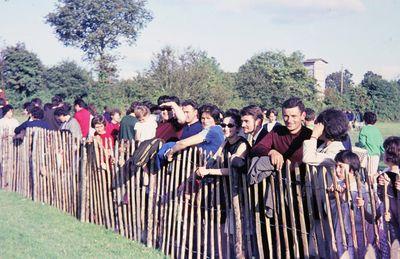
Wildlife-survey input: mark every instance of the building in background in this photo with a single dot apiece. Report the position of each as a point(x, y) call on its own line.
point(316, 68)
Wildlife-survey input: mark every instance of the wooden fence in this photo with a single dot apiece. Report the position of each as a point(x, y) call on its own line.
point(217, 217)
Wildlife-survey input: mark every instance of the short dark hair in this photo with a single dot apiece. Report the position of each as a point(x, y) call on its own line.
point(114, 111)
point(235, 115)
point(165, 98)
point(293, 102)
point(80, 102)
point(272, 110)
point(310, 114)
point(392, 150)
point(335, 124)
point(6, 109)
point(29, 107)
point(56, 100)
point(131, 108)
point(37, 102)
point(67, 106)
point(98, 119)
point(190, 102)
point(350, 158)
point(37, 113)
point(369, 118)
point(47, 106)
point(26, 105)
point(213, 110)
point(252, 110)
point(61, 111)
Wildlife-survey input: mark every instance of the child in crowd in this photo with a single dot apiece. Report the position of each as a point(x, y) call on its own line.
point(146, 126)
point(310, 118)
point(113, 125)
point(348, 162)
point(101, 133)
point(388, 193)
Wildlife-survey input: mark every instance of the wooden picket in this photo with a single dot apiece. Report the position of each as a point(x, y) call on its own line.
point(214, 217)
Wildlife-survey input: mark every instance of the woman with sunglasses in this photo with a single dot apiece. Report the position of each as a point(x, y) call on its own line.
point(234, 144)
point(209, 139)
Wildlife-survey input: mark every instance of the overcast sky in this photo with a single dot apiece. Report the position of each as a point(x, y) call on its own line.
point(360, 35)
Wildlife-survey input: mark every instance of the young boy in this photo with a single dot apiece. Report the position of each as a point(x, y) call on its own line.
point(388, 193)
point(348, 162)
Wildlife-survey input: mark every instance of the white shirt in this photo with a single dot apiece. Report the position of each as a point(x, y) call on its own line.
point(8, 124)
point(146, 130)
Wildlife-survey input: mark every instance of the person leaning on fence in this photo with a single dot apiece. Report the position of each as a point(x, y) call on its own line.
point(252, 118)
point(8, 123)
point(101, 133)
point(68, 123)
point(36, 121)
point(285, 142)
point(145, 128)
point(172, 119)
point(331, 129)
point(209, 139)
point(234, 144)
point(192, 127)
point(389, 195)
point(348, 162)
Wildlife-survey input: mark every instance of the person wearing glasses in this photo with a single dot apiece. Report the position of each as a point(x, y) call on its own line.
point(234, 144)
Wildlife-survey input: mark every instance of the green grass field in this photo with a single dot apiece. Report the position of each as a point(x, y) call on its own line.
point(29, 229)
point(387, 129)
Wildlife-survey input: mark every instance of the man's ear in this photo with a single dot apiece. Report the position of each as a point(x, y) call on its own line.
point(258, 122)
point(303, 115)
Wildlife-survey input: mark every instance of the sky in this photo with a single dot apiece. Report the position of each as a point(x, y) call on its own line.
point(357, 35)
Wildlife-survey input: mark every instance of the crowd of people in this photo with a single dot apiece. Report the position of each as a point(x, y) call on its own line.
point(239, 136)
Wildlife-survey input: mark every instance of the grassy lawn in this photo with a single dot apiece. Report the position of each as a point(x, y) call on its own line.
point(387, 129)
point(29, 229)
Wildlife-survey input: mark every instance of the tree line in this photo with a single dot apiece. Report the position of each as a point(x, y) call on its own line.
point(266, 79)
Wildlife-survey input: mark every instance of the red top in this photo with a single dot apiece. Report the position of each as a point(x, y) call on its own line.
point(83, 118)
point(113, 129)
point(280, 139)
point(106, 137)
point(169, 131)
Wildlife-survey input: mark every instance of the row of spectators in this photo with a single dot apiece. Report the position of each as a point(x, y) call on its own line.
point(247, 135)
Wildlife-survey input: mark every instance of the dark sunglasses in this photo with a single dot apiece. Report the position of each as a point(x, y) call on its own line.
point(230, 125)
point(166, 108)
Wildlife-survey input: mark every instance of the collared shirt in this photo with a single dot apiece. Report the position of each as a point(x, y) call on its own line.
point(191, 129)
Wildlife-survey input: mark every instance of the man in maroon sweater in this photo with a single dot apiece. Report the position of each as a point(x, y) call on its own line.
point(285, 142)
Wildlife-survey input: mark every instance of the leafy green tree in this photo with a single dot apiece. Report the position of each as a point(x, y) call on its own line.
point(384, 95)
point(268, 78)
point(68, 80)
point(357, 98)
point(99, 26)
point(21, 70)
point(334, 80)
point(191, 74)
point(334, 99)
